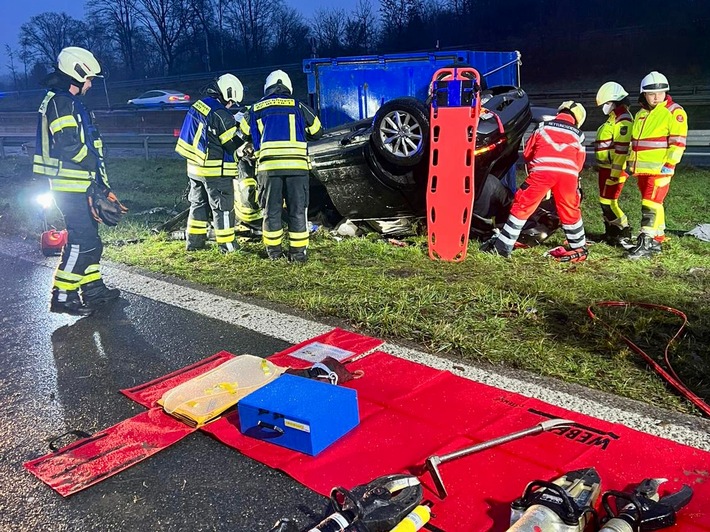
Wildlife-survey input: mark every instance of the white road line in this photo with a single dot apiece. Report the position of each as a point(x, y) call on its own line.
point(292, 329)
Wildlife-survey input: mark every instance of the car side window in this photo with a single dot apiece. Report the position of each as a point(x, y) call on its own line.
point(149, 94)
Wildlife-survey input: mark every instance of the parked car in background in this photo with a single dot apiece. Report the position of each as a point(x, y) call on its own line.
point(162, 99)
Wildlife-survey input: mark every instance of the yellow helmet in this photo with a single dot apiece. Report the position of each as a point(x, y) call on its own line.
point(611, 91)
point(230, 88)
point(577, 110)
point(78, 63)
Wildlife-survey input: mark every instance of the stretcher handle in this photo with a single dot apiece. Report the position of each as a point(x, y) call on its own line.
point(270, 426)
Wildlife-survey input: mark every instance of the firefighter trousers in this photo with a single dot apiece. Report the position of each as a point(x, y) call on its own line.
point(609, 192)
point(211, 199)
point(654, 189)
point(294, 189)
point(81, 254)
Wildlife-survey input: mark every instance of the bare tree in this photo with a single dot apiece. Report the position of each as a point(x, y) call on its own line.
point(12, 67)
point(119, 17)
point(251, 21)
point(203, 12)
point(44, 36)
point(165, 20)
point(361, 28)
point(290, 35)
point(328, 25)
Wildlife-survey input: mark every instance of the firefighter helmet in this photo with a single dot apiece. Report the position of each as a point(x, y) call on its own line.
point(611, 91)
point(230, 88)
point(576, 109)
point(278, 76)
point(78, 63)
point(655, 82)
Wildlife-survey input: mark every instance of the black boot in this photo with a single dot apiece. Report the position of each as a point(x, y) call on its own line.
point(297, 256)
point(274, 252)
point(96, 293)
point(72, 305)
point(645, 247)
point(619, 236)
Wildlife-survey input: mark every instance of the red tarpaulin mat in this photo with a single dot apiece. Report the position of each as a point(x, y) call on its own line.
point(410, 411)
point(90, 460)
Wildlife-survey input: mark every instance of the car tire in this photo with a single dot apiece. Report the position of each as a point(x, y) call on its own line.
point(400, 132)
point(393, 177)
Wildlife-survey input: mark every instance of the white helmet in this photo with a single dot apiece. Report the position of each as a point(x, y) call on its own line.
point(655, 82)
point(78, 63)
point(577, 110)
point(278, 76)
point(230, 88)
point(611, 91)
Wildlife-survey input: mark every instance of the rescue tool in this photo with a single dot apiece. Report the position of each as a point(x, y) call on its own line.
point(642, 509)
point(563, 505)
point(379, 506)
point(433, 462)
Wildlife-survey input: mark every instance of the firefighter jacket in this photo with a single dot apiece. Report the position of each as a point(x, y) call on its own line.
point(279, 126)
point(555, 147)
point(69, 150)
point(658, 137)
point(611, 146)
point(208, 140)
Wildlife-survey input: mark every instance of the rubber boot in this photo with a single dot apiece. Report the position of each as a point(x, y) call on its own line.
point(96, 293)
point(495, 247)
point(645, 247)
point(297, 256)
point(72, 305)
point(231, 247)
point(619, 236)
point(195, 242)
point(274, 252)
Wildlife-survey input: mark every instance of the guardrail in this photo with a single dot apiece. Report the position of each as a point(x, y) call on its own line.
point(697, 139)
point(128, 140)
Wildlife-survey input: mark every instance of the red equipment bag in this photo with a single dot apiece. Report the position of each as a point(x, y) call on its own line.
point(455, 108)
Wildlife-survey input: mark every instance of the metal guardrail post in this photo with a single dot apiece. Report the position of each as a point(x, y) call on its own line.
point(145, 146)
point(2, 148)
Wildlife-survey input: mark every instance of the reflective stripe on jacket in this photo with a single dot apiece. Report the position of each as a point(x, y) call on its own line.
point(658, 138)
point(208, 140)
point(69, 150)
point(556, 146)
point(613, 140)
point(279, 127)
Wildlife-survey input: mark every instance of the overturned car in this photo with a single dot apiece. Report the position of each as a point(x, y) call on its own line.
point(374, 172)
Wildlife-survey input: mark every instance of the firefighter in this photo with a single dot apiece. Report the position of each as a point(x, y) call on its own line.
point(612, 149)
point(278, 126)
point(208, 141)
point(69, 152)
point(554, 156)
point(658, 141)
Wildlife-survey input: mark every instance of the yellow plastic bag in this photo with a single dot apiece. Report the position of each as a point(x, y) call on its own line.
point(202, 399)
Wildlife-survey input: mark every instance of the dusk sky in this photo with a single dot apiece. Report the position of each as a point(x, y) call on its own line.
point(16, 13)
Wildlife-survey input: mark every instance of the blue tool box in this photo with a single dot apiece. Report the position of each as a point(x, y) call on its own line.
point(302, 414)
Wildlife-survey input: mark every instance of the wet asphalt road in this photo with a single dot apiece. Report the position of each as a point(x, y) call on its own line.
point(60, 373)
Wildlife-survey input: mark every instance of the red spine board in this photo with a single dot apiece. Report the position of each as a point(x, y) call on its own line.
point(450, 190)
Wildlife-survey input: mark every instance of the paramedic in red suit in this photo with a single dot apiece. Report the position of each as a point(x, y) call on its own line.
point(554, 156)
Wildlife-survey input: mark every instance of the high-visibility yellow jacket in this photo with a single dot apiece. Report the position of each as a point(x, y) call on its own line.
point(279, 127)
point(613, 140)
point(68, 150)
point(208, 140)
point(658, 137)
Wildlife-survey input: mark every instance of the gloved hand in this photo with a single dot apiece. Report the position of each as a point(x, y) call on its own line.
point(667, 169)
point(104, 205)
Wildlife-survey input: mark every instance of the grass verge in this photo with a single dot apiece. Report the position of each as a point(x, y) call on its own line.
point(527, 313)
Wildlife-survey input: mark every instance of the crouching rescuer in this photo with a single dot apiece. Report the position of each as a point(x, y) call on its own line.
point(279, 126)
point(69, 151)
point(554, 157)
point(208, 141)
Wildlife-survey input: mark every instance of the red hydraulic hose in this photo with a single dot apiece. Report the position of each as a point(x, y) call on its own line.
point(667, 373)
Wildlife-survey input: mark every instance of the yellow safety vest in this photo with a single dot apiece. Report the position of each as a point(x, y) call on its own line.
point(658, 138)
point(611, 146)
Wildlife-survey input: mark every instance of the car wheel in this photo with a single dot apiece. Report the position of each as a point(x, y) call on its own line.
point(401, 131)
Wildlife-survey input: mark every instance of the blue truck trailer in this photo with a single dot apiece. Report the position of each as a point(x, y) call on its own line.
point(346, 89)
